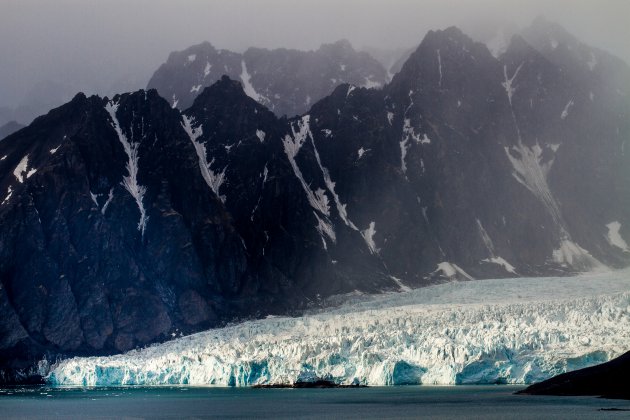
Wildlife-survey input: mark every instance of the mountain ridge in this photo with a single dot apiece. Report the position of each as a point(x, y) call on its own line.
point(126, 221)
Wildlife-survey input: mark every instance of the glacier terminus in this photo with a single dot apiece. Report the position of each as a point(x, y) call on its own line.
point(519, 330)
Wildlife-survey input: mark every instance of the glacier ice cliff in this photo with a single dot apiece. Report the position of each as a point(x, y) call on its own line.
point(490, 331)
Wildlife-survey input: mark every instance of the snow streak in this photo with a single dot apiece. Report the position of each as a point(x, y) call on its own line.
point(368, 236)
point(214, 179)
point(507, 84)
point(318, 200)
point(439, 67)
point(248, 87)
point(565, 111)
point(130, 182)
point(494, 259)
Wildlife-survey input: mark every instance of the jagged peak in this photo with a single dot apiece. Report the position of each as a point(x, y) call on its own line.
point(438, 47)
point(342, 43)
point(223, 93)
point(205, 48)
point(340, 46)
point(545, 34)
point(450, 35)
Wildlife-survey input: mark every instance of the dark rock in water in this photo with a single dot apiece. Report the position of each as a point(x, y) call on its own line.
point(320, 383)
point(286, 81)
point(608, 380)
point(125, 222)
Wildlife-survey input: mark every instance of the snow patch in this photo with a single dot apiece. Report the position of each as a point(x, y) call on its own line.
point(192, 57)
point(570, 254)
point(261, 135)
point(565, 111)
point(390, 118)
point(8, 196)
point(614, 237)
point(265, 174)
point(21, 169)
point(450, 270)
point(368, 236)
point(214, 179)
point(206, 70)
point(4, 157)
point(130, 182)
point(53, 151)
point(195, 88)
point(531, 172)
point(361, 152)
point(500, 261)
point(327, 133)
point(554, 147)
point(350, 89)
point(400, 284)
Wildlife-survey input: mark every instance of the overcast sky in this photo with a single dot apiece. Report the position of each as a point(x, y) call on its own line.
point(95, 45)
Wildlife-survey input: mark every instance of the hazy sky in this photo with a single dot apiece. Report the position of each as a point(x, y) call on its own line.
point(100, 45)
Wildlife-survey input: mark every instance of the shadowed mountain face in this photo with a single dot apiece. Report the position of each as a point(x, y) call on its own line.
point(288, 82)
point(125, 221)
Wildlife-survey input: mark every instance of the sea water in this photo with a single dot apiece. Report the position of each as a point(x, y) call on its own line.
point(454, 402)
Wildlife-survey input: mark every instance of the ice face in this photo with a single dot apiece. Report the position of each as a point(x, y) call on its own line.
point(489, 331)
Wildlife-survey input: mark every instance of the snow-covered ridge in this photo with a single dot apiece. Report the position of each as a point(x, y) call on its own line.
point(510, 330)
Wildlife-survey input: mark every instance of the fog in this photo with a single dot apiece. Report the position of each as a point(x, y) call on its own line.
point(51, 49)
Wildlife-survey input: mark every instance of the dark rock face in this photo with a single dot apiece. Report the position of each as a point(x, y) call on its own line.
point(125, 222)
point(609, 380)
point(286, 81)
point(9, 128)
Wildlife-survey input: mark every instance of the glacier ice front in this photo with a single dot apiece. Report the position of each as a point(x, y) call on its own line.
point(490, 331)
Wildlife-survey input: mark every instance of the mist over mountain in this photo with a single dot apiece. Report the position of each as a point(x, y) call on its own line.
point(288, 82)
point(125, 221)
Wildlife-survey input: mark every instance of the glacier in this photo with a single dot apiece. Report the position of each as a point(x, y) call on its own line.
point(518, 330)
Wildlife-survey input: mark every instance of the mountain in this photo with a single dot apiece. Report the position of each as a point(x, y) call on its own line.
point(286, 81)
point(9, 128)
point(126, 222)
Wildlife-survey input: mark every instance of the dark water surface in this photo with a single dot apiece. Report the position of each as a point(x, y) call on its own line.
point(454, 402)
